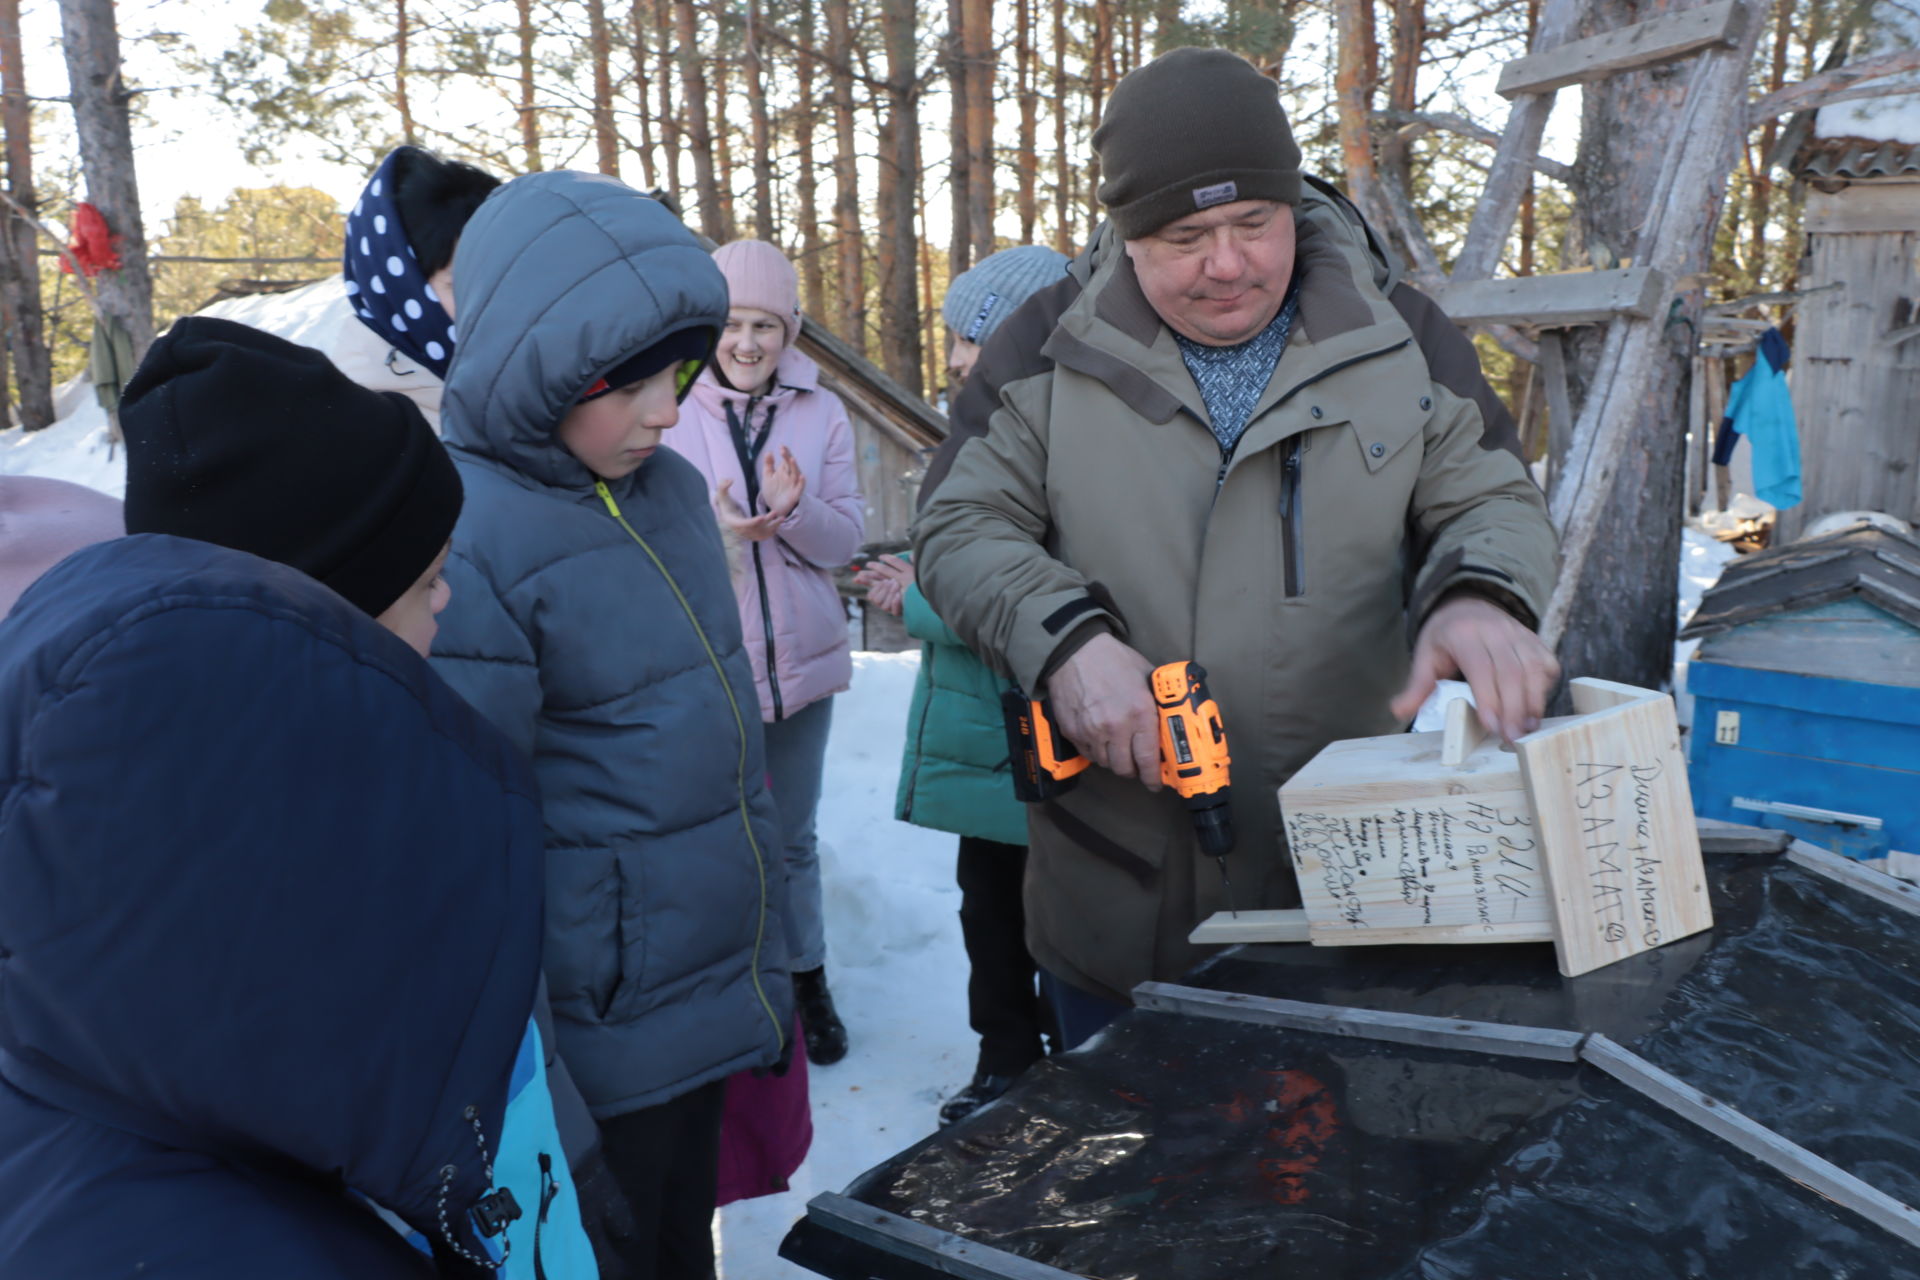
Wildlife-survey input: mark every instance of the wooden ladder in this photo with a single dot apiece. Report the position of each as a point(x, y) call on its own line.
point(1632, 302)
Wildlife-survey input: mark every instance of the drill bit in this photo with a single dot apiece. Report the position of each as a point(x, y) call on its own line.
point(1227, 881)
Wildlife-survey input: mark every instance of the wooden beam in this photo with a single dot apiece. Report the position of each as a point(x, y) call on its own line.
point(1547, 1043)
point(937, 1250)
point(1825, 88)
point(1875, 884)
point(1644, 44)
point(1224, 928)
point(1749, 1135)
point(1871, 207)
point(909, 412)
point(1558, 300)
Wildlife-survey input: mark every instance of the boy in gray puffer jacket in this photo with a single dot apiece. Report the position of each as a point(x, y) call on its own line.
point(593, 621)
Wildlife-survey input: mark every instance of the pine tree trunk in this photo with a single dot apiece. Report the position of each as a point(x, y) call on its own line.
point(813, 275)
point(20, 281)
point(1099, 64)
point(980, 87)
point(606, 140)
point(900, 179)
point(1356, 76)
point(401, 33)
point(959, 184)
point(529, 117)
point(717, 115)
point(668, 118)
point(1761, 198)
point(99, 98)
point(764, 225)
point(933, 351)
point(1029, 93)
point(846, 179)
point(1409, 42)
point(643, 105)
point(1063, 166)
point(699, 136)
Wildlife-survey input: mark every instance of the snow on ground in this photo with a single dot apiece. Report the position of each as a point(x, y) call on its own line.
point(895, 964)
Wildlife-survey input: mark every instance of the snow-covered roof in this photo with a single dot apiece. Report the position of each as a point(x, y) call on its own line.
point(1839, 130)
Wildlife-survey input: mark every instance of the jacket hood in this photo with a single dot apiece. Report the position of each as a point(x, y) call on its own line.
point(563, 276)
point(291, 918)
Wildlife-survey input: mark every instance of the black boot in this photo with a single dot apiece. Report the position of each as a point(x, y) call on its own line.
point(826, 1034)
point(981, 1090)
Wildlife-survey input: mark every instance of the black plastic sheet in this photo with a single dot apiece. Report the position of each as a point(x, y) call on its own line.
point(1180, 1148)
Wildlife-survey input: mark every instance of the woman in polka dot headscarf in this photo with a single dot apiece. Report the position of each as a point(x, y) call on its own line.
point(398, 269)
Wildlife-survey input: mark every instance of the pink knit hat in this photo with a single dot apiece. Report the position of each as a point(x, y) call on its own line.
point(759, 275)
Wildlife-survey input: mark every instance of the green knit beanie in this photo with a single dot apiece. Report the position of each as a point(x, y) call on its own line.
point(1193, 129)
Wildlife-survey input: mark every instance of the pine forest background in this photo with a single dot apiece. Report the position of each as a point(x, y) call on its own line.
point(886, 145)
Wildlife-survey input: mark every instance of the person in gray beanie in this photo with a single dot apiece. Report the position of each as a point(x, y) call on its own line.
point(953, 775)
point(979, 299)
point(1230, 435)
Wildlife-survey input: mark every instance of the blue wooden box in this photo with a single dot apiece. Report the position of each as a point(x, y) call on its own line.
point(1806, 693)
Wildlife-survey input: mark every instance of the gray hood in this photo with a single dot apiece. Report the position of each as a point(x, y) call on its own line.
point(562, 276)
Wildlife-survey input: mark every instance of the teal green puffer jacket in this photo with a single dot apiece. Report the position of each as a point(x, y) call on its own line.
point(954, 775)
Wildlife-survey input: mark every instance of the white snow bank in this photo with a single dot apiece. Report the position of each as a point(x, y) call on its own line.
point(76, 447)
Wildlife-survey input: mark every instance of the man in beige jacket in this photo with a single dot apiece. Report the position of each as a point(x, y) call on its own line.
point(1229, 435)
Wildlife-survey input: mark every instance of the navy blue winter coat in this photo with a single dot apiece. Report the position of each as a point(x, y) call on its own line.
point(596, 625)
point(269, 928)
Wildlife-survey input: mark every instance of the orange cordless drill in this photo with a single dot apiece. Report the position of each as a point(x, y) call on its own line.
point(1193, 757)
point(1193, 753)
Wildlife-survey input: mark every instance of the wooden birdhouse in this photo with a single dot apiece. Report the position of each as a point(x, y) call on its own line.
point(1582, 835)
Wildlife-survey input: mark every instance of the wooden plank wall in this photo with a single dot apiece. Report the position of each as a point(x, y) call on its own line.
point(1854, 391)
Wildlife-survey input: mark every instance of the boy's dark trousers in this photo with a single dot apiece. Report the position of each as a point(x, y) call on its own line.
point(1003, 1004)
point(666, 1159)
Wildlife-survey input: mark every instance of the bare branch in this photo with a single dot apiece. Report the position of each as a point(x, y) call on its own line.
point(1837, 85)
point(1415, 123)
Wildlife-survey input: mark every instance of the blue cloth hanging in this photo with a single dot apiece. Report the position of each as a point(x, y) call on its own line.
point(388, 290)
point(1760, 409)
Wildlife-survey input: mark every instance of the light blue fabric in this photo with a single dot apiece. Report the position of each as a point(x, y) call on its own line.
point(529, 1140)
point(611, 654)
point(1761, 409)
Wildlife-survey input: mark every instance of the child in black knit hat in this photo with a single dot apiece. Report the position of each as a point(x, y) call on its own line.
point(240, 438)
point(243, 439)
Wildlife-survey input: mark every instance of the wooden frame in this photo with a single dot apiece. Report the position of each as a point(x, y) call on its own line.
point(1643, 44)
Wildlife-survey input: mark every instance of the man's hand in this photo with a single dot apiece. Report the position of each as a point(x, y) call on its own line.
point(1106, 709)
point(886, 580)
point(1510, 672)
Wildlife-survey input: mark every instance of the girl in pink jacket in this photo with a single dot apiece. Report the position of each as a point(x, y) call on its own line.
point(777, 452)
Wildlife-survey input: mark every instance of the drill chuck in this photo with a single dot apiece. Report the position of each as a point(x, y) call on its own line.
point(1213, 824)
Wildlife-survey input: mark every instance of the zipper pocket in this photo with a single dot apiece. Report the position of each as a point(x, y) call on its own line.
point(1293, 539)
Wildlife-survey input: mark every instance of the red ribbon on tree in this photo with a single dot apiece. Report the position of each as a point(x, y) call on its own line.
point(94, 246)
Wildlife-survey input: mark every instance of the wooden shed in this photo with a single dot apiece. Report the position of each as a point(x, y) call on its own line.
point(1856, 378)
